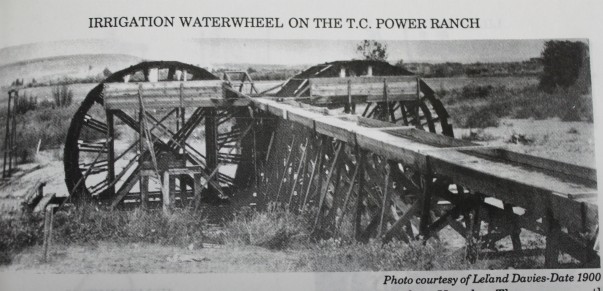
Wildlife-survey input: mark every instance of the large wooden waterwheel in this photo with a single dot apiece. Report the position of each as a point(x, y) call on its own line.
point(108, 152)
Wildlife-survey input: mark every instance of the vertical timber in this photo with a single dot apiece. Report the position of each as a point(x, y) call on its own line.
point(211, 143)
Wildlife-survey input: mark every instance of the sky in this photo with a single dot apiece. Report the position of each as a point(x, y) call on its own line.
point(283, 52)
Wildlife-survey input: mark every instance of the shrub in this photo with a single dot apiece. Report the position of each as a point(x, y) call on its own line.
point(474, 91)
point(24, 104)
point(482, 119)
point(529, 102)
point(18, 233)
point(478, 135)
point(45, 124)
point(88, 225)
point(85, 225)
point(62, 96)
point(273, 230)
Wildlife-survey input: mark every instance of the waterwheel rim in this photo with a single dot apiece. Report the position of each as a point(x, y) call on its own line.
point(85, 160)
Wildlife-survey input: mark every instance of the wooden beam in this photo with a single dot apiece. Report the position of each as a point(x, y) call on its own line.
point(553, 237)
point(386, 200)
point(208, 93)
point(110, 152)
point(403, 220)
point(285, 170)
point(362, 89)
point(316, 165)
point(211, 143)
point(361, 157)
point(325, 186)
point(302, 162)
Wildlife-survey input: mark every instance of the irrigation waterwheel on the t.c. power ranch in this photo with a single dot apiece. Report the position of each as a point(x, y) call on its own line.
point(106, 158)
point(173, 135)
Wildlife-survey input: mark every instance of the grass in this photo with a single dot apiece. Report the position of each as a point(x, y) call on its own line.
point(18, 233)
point(482, 106)
point(274, 230)
point(113, 257)
point(48, 125)
point(88, 225)
point(150, 241)
point(330, 256)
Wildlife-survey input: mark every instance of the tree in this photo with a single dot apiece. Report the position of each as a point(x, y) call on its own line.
point(62, 95)
point(563, 63)
point(107, 72)
point(372, 50)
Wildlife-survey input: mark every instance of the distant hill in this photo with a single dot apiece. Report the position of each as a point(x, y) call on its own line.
point(56, 68)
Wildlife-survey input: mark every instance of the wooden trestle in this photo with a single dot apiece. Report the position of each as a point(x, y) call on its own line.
point(383, 180)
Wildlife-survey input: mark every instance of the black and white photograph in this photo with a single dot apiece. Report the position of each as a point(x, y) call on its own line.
point(353, 156)
point(254, 145)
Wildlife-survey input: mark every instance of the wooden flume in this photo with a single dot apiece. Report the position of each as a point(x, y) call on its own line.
point(392, 171)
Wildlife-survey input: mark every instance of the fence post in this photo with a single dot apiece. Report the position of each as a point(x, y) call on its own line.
point(48, 217)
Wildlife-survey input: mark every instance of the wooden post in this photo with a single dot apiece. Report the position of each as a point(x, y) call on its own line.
point(325, 188)
point(317, 163)
point(336, 200)
point(269, 150)
point(361, 194)
point(143, 178)
point(473, 226)
point(418, 107)
point(182, 178)
point(7, 136)
point(386, 200)
point(48, 217)
point(211, 143)
point(110, 152)
point(515, 229)
point(389, 115)
point(172, 188)
point(347, 108)
point(347, 196)
point(165, 192)
point(302, 163)
point(553, 236)
point(319, 166)
point(196, 187)
point(282, 178)
point(13, 140)
point(427, 181)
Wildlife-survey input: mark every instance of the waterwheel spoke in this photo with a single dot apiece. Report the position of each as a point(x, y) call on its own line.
point(92, 147)
point(95, 168)
point(95, 124)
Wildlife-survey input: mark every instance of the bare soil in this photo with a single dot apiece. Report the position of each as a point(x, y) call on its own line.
point(109, 257)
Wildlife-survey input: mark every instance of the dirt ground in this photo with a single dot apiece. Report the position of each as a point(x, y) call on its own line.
point(570, 142)
point(108, 257)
